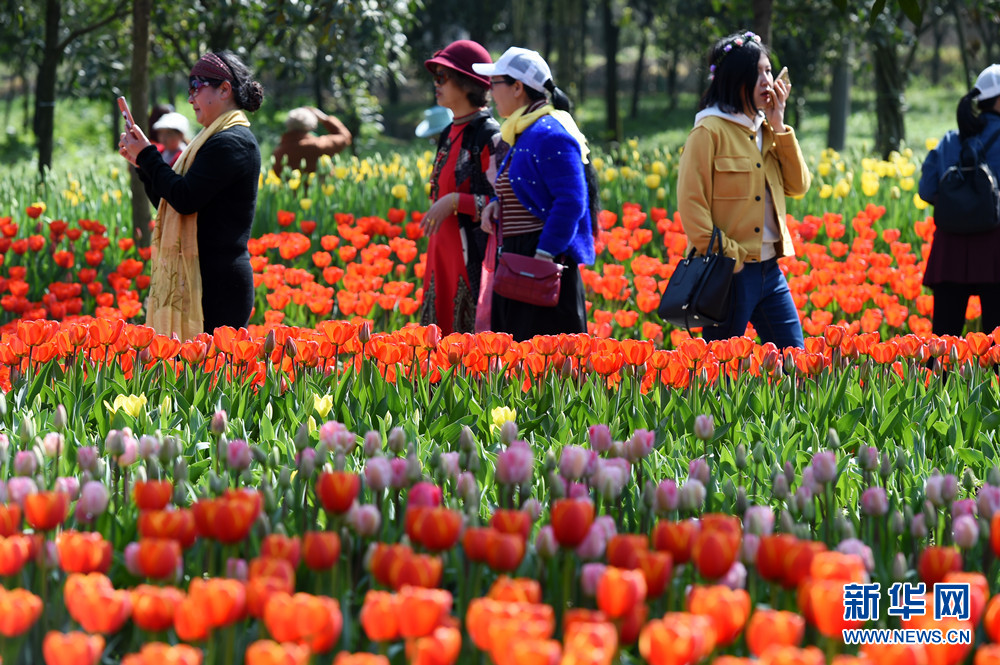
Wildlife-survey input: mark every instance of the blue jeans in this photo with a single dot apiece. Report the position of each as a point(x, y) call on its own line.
point(761, 297)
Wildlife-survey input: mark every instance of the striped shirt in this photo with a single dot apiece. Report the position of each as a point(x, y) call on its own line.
point(515, 219)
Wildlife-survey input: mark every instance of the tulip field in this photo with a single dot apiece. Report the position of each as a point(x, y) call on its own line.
point(337, 484)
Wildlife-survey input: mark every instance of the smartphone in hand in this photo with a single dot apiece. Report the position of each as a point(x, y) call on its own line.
point(783, 76)
point(126, 113)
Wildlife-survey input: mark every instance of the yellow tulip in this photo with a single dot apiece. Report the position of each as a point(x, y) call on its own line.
point(500, 415)
point(114, 172)
point(293, 183)
point(659, 168)
point(869, 183)
point(661, 193)
point(906, 169)
point(930, 144)
point(842, 188)
point(653, 180)
point(400, 191)
point(305, 204)
point(341, 172)
point(823, 168)
point(427, 189)
point(825, 191)
point(610, 175)
point(327, 189)
point(130, 404)
point(311, 425)
point(906, 184)
point(322, 405)
point(919, 203)
point(598, 163)
point(894, 192)
point(325, 161)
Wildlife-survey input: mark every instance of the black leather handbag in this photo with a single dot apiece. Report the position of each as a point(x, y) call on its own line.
point(699, 293)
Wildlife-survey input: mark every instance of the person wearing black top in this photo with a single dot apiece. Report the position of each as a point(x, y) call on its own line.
point(214, 187)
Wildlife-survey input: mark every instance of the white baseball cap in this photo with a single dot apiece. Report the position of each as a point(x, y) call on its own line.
point(988, 83)
point(173, 120)
point(521, 64)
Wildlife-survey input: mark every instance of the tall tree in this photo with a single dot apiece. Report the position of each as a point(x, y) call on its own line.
point(139, 96)
point(613, 128)
point(86, 17)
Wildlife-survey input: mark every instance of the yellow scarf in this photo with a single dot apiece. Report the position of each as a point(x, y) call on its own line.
point(519, 120)
point(174, 304)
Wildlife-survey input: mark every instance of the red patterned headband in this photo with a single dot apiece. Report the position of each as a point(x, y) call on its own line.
point(211, 66)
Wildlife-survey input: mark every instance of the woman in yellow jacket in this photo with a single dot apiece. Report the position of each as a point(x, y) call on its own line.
point(739, 162)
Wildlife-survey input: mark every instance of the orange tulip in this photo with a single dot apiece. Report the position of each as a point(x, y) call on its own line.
point(224, 600)
point(159, 558)
point(158, 653)
point(593, 643)
point(19, 610)
point(530, 652)
point(14, 553)
point(798, 561)
point(512, 521)
point(728, 608)
point(380, 616)
point(321, 549)
point(280, 546)
point(45, 511)
point(657, 568)
point(337, 490)
point(838, 566)
point(261, 567)
point(937, 561)
point(979, 591)
point(716, 545)
point(153, 608)
point(421, 610)
point(314, 621)
point(665, 642)
point(826, 606)
point(623, 550)
point(941, 654)
point(176, 525)
point(768, 628)
point(153, 494)
point(988, 654)
point(676, 538)
point(228, 518)
point(895, 654)
point(619, 590)
point(10, 519)
point(516, 590)
point(571, 520)
point(416, 570)
point(260, 590)
point(435, 528)
point(991, 618)
point(476, 541)
point(72, 648)
point(439, 648)
point(383, 560)
point(96, 605)
point(505, 551)
point(83, 552)
point(267, 652)
point(771, 555)
point(785, 655)
point(344, 658)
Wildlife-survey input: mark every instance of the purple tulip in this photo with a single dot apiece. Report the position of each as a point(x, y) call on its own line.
point(749, 548)
point(69, 486)
point(965, 531)
point(824, 464)
point(378, 473)
point(25, 463)
point(515, 465)
point(874, 502)
point(963, 507)
point(600, 437)
point(698, 469)
point(736, 578)
point(19, 487)
point(132, 560)
point(237, 569)
point(704, 427)
point(593, 545)
point(860, 550)
point(450, 465)
point(665, 497)
point(610, 477)
point(149, 447)
point(220, 423)
point(373, 443)
point(94, 498)
point(238, 456)
point(573, 462)
point(759, 520)
point(988, 501)
point(86, 458)
point(467, 487)
point(400, 479)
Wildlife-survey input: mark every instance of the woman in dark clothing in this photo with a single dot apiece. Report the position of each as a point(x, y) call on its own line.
point(960, 266)
point(461, 186)
point(201, 276)
point(542, 203)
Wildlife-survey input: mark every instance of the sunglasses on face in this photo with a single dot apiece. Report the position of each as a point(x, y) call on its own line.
point(440, 76)
point(196, 84)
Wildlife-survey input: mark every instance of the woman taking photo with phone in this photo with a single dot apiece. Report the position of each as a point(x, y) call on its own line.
point(200, 268)
point(738, 164)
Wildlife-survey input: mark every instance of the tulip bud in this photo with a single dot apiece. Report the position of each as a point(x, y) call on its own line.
point(918, 527)
point(590, 575)
point(149, 447)
point(285, 478)
point(949, 488)
point(896, 523)
point(60, 418)
point(508, 432)
point(740, 502)
point(993, 476)
point(180, 494)
point(180, 470)
point(220, 423)
point(397, 440)
point(704, 427)
point(779, 487)
point(25, 463)
point(301, 439)
point(26, 430)
point(699, 470)
point(786, 521)
point(965, 531)
point(741, 457)
point(94, 498)
point(270, 341)
point(566, 371)
point(789, 473)
point(270, 501)
point(545, 542)
point(867, 458)
point(132, 559)
point(365, 332)
point(169, 449)
point(414, 468)
point(114, 443)
point(899, 567)
point(600, 437)
point(86, 458)
point(372, 443)
point(845, 527)
point(902, 459)
point(217, 484)
point(238, 455)
point(832, 439)
point(691, 496)
point(291, 348)
point(306, 461)
point(874, 502)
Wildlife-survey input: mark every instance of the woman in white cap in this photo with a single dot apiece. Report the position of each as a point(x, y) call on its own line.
point(171, 131)
point(461, 186)
point(542, 198)
point(960, 266)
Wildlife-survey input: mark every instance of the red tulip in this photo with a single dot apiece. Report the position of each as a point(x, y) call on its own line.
point(571, 520)
point(512, 521)
point(159, 558)
point(321, 549)
point(337, 490)
point(153, 494)
point(421, 610)
point(45, 511)
point(505, 551)
point(619, 590)
point(72, 648)
point(937, 561)
point(10, 519)
point(623, 550)
point(716, 545)
point(436, 528)
point(83, 552)
point(19, 610)
point(728, 608)
point(380, 616)
point(280, 546)
point(676, 538)
point(153, 608)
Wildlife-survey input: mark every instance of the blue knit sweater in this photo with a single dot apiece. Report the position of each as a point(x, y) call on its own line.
point(546, 174)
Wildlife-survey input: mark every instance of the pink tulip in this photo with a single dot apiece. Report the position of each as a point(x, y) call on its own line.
point(590, 575)
point(365, 519)
point(665, 497)
point(600, 438)
point(545, 542)
point(378, 473)
point(874, 502)
point(965, 531)
point(20, 487)
point(238, 456)
point(515, 465)
point(704, 427)
point(759, 520)
point(424, 494)
point(988, 501)
point(824, 465)
point(400, 479)
point(572, 462)
point(640, 445)
point(699, 470)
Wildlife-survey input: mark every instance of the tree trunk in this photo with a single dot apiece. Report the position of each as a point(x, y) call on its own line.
point(840, 97)
point(45, 89)
point(672, 93)
point(889, 87)
point(565, 38)
point(581, 56)
point(762, 11)
point(640, 68)
point(611, 29)
point(139, 105)
point(963, 46)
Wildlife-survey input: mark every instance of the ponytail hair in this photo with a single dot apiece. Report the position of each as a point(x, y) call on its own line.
point(970, 113)
point(559, 98)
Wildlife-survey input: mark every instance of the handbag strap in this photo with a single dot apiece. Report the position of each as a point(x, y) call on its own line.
point(716, 235)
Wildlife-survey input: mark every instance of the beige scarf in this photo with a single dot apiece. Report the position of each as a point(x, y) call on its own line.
point(174, 303)
point(519, 120)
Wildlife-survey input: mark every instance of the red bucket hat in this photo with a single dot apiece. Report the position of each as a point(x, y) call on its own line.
point(460, 56)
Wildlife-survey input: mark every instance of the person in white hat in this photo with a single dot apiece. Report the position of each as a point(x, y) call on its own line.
point(171, 130)
point(963, 265)
point(542, 194)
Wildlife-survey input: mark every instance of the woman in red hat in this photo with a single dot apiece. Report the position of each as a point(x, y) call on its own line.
point(461, 186)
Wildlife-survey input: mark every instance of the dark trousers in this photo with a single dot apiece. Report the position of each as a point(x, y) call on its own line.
point(761, 297)
point(524, 321)
point(951, 299)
